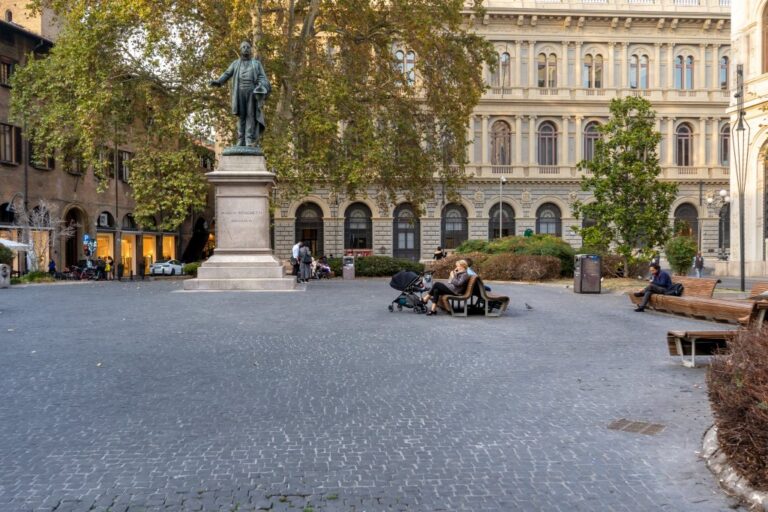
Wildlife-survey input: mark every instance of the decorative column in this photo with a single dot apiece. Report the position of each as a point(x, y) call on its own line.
point(471, 137)
point(578, 139)
point(532, 160)
point(516, 81)
point(484, 140)
point(579, 80)
point(531, 63)
point(518, 139)
point(715, 68)
point(562, 71)
point(670, 141)
point(701, 80)
point(654, 69)
point(564, 146)
point(609, 81)
point(670, 66)
point(702, 157)
point(714, 153)
point(624, 66)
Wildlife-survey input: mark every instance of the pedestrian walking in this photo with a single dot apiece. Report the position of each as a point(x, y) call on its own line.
point(305, 262)
point(295, 258)
point(698, 264)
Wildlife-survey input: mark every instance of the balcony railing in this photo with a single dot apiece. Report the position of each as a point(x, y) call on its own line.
point(662, 5)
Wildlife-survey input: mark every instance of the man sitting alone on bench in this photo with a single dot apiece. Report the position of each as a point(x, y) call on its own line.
point(660, 283)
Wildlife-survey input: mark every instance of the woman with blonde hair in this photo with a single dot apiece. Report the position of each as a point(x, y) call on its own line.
point(456, 285)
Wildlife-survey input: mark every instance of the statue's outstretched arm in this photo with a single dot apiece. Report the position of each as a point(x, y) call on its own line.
point(224, 77)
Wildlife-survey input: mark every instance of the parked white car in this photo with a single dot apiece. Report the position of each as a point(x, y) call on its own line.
point(166, 268)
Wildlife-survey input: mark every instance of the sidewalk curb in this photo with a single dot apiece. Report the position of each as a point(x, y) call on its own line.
point(727, 477)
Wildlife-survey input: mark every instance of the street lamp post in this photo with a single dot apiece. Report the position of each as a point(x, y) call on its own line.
point(502, 181)
point(741, 141)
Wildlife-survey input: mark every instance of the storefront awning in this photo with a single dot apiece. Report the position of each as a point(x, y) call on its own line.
point(15, 246)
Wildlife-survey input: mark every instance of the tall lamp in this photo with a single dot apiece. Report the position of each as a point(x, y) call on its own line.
point(741, 138)
point(502, 181)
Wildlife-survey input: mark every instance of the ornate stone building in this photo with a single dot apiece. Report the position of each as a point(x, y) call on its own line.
point(750, 49)
point(560, 63)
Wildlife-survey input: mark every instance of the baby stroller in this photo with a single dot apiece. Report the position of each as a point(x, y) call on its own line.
point(411, 285)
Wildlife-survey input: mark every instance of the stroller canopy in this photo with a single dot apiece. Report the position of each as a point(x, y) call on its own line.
point(403, 280)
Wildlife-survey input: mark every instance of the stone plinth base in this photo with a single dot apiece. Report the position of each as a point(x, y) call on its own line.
point(243, 259)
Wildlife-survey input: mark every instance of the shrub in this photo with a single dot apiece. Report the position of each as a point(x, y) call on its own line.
point(6, 255)
point(680, 252)
point(507, 244)
point(191, 268)
point(37, 277)
point(519, 267)
point(376, 266)
point(472, 246)
point(738, 392)
point(441, 268)
point(613, 265)
point(548, 245)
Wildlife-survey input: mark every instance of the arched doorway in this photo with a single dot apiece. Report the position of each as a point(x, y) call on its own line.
point(507, 221)
point(455, 226)
point(72, 246)
point(687, 221)
point(406, 230)
point(549, 220)
point(309, 226)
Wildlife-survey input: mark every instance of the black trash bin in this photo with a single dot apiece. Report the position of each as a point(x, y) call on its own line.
point(587, 274)
point(120, 270)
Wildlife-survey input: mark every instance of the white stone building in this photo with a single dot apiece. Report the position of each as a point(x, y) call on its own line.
point(560, 63)
point(750, 49)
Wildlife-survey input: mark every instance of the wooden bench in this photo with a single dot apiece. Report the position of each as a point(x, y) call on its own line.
point(694, 289)
point(697, 343)
point(489, 303)
point(458, 305)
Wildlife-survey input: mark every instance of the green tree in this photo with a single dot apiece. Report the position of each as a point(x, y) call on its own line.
point(345, 112)
point(680, 251)
point(631, 205)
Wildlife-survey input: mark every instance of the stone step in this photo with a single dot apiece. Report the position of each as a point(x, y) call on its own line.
point(263, 285)
point(240, 272)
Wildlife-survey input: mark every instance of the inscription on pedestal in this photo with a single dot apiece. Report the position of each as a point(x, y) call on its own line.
point(241, 216)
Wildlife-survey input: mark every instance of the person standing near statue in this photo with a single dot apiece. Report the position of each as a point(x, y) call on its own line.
point(250, 88)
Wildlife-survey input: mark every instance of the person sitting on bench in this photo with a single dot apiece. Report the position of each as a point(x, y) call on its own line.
point(457, 284)
point(660, 283)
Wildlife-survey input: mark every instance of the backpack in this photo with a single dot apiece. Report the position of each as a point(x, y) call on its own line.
point(307, 257)
point(675, 290)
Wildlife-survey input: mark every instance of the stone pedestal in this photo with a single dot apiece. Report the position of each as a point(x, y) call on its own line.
point(243, 258)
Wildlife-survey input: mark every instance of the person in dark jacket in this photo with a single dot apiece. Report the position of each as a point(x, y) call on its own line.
point(456, 285)
point(661, 282)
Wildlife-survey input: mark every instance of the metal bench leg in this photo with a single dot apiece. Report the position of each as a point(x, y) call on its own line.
point(692, 363)
point(679, 344)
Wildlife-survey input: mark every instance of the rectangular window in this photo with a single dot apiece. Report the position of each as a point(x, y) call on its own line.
point(6, 70)
point(124, 164)
point(43, 162)
point(10, 144)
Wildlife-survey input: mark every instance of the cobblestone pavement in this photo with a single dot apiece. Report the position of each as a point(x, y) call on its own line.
point(128, 397)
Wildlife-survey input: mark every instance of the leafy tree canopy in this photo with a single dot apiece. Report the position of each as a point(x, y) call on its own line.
point(344, 114)
point(631, 205)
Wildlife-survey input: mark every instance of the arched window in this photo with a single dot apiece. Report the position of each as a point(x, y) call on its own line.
point(405, 63)
point(358, 227)
point(590, 138)
point(684, 146)
point(547, 138)
point(638, 71)
point(724, 72)
point(501, 144)
point(129, 223)
point(506, 71)
point(687, 221)
point(507, 221)
point(105, 220)
point(8, 16)
point(309, 226)
point(547, 70)
point(593, 72)
point(679, 72)
point(549, 220)
point(689, 72)
point(7, 215)
point(455, 230)
point(725, 145)
point(406, 231)
point(724, 228)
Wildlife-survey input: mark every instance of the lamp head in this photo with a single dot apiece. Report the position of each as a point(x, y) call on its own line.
point(503, 179)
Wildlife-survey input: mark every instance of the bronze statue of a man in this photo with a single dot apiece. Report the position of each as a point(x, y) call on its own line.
point(250, 88)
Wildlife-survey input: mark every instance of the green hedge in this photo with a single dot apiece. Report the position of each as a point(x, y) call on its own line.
point(6, 255)
point(37, 277)
point(377, 266)
point(680, 252)
point(190, 269)
point(536, 245)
